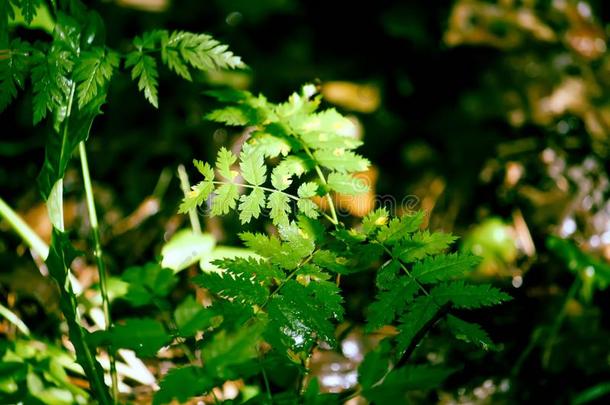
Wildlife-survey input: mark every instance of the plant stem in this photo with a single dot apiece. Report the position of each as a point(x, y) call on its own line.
point(442, 311)
point(331, 204)
point(68, 298)
point(186, 187)
point(404, 268)
point(550, 342)
point(99, 258)
point(270, 190)
point(14, 319)
point(23, 230)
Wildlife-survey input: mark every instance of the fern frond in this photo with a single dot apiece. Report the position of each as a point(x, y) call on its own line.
point(299, 316)
point(92, 73)
point(224, 161)
point(50, 80)
point(29, 9)
point(145, 71)
point(225, 199)
point(443, 267)
point(390, 303)
point(398, 229)
point(252, 166)
point(201, 51)
point(469, 332)
point(341, 160)
point(469, 296)
point(238, 284)
point(13, 72)
point(278, 204)
point(422, 244)
point(344, 183)
point(250, 205)
point(420, 312)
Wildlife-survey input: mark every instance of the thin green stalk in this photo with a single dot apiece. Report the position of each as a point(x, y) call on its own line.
point(186, 187)
point(99, 258)
point(23, 230)
point(550, 342)
point(404, 268)
point(331, 204)
point(14, 319)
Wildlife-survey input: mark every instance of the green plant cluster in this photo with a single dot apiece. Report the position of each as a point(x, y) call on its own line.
point(277, 304)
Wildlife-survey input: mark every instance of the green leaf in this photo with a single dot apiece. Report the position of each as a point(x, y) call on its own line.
point(298, 243)
point(226, 350)
point(13, 72)
point(326, 130)
point(281, 176)
point(313, 396)
point(299, 104)
point(390, 303)
point(237, 284)
point(29, 9)
point(470, 332)
point(261, 271)
point(271, 248)
point(194, 198)
point(341, 160)
point(252, 166)
point(375, 220)
point(346, 184)
point(307, 190)
point(279, 206)
point(469, 296)
point(443, 267)
point(145, 71)
point(422, 244)
point(387, 274)
point(186, 248)
point(201, 51)
point(148, 283)
point(297, 319)
point(51, 85)
point(200, 191)
point(233, 115)
point(192, 317)
point(593, 393)
point(229, 95)
point(269, 145)
point(183, 383)
point(205, 169)
point(251, 205)
point(400, 228)
point(375, 365)
point(330, 260)
point(60, 146)
point(325, 292)
point(92, 73)
point(420, 312)
point(144, 336)
point(308, 208)
point(225, 199)
point(224, 161)
point(398, 382)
